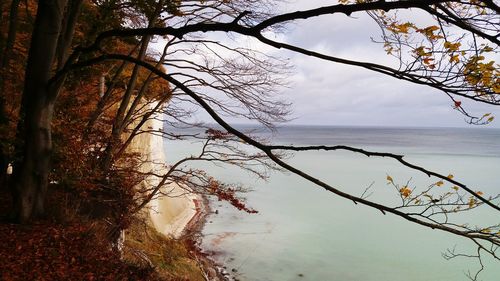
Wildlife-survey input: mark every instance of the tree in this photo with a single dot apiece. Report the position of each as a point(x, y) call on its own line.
point(52, 35)
point(453, 54)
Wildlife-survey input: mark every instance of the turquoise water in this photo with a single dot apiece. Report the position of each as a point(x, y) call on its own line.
point(305, 233)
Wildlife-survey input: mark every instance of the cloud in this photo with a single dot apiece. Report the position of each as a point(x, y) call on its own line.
point(326, 93)
point(333, 94)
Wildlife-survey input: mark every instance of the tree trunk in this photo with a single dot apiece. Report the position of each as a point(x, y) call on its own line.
point(31, 179)
point(6, 46)
point(34, 130)
point(11, 33)
point(67, 32)
point(3, 143)
point(103, 100)
point(119, 118)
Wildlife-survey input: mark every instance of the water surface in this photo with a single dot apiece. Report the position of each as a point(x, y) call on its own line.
point(305, 233)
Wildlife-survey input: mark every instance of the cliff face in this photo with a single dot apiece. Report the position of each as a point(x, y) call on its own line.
point(169, 213)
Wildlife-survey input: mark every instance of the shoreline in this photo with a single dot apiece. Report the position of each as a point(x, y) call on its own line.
point(192, 234)
point(182, 215)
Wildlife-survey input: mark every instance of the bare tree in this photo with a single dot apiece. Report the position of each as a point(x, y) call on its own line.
point(226, 79)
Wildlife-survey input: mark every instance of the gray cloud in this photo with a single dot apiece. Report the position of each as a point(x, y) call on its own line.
point(327, 93)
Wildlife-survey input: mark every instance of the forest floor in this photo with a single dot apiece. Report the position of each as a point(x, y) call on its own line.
point(67, 246)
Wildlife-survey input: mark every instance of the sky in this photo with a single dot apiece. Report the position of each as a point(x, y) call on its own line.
point(331, 94)
point(325, 93)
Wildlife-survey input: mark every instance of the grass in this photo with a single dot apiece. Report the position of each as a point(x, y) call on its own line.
point(69, 245)
point(173, 259)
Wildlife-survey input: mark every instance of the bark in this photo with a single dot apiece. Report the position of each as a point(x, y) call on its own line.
point(4, 142)
point(11, 33)
point(4, 123)
point(142, 91)
point(67, 32)
point(120, 115)
point(4, 159)
point(34, 128)
point(138, 127)
point(105, 98)
point(120, 121)
point(134, 105)
point(102, 102)
point(6, 45)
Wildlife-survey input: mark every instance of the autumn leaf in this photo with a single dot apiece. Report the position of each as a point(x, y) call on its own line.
point(451, 47)
point(405, 191)
point(428, 60)
point(496, 87)
point(487, 49)
point(389, 179)
point(403, 28)
point(421, 52)
point(454, 59)
point(486, 230)
point(472, 202)
point(429, 32)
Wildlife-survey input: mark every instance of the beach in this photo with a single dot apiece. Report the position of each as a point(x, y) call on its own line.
point(169, 215)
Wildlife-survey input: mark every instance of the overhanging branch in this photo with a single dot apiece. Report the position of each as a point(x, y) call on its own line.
point(268, 148)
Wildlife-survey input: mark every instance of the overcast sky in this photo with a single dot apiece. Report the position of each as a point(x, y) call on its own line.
point(325, 93)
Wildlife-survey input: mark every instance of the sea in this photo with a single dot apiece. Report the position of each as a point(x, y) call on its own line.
point(303, 232)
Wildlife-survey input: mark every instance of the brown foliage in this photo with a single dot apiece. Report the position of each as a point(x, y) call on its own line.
point(46, 251)
point(78, 249)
